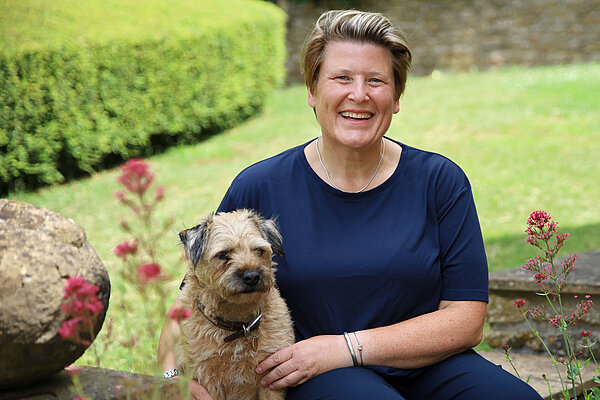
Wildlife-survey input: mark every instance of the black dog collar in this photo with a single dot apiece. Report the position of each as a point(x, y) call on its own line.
point(239, 328)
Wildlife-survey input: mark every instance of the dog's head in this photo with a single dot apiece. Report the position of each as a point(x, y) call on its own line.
point(231, 253)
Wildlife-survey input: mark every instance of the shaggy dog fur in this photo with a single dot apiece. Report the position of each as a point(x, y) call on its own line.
point(230, 277)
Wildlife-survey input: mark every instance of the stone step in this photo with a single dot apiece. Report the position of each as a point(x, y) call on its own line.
point(97, 383)
point(507, 326)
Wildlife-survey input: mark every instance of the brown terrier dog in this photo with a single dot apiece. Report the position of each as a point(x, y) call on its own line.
point(238, 316)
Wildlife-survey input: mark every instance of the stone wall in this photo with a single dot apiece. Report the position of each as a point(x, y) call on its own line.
point(462, 35)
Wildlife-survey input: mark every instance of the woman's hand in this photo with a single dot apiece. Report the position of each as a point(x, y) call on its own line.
point(197, 391)
point(303, 360)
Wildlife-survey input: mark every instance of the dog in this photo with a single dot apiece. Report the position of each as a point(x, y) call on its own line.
point(238, 317)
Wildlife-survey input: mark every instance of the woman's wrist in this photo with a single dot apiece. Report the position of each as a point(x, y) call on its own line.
point(355, 348)
point(342, 353)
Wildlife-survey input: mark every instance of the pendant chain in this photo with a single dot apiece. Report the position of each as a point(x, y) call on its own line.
point(372, 176)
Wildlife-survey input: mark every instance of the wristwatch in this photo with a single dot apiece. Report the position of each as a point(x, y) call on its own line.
point(171, 373)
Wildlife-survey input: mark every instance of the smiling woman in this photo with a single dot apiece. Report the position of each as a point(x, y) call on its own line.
point(354, 101)
point(381, 239)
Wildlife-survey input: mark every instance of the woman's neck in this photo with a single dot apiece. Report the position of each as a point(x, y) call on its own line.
point(353, 170)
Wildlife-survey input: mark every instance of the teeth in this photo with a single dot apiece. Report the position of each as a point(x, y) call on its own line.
point(356, 115)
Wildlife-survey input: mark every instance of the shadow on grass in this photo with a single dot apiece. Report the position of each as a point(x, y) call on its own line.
point(512, 251)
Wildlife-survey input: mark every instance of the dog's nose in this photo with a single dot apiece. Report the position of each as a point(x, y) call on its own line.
point(250, 278)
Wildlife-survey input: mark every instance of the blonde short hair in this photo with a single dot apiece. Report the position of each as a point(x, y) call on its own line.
point(352, 25)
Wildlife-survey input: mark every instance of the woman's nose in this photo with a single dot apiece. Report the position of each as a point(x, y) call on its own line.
point(358, 92)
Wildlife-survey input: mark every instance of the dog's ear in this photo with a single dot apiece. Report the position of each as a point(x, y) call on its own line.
point(268, 228)
point(194, 240)
point(183, 237)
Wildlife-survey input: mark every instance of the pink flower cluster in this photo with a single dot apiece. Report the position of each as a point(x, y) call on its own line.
point(520, 303)
point(124, 249)
point(178, 314)
point(136, 175)
point(149, 273)
point(82, 306)
point(540, 231)
point(540, 226)
point(582, 307)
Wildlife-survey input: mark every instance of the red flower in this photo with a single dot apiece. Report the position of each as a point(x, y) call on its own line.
point(506, 347)
point(160, 193)
point(70, 329)
point(149, 272)
point(586, 333)
point(82, 306)
point(179, 313)
point(124, 249)
point(539, 219)
point(519, 303)
point(136, 175)
point(541, 227)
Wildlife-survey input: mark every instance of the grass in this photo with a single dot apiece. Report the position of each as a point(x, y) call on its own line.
point(31, 24)
point(527, 138)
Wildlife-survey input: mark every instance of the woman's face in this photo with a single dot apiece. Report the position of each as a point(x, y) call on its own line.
point(354, 94)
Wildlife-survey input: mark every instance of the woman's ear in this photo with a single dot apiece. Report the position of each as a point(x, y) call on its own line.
point(311, 99)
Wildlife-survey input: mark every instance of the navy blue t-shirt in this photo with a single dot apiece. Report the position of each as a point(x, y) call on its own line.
point(363, 260)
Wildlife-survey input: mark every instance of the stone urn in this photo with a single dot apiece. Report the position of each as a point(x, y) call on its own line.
point(39, 251)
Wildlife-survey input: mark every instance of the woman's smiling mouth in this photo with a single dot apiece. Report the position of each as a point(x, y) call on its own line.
point(356, 116)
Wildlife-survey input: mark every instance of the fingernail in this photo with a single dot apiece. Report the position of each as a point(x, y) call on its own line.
point(263, 383)
point(258, 370)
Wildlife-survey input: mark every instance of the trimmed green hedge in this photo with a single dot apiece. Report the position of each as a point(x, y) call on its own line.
point(86, 84)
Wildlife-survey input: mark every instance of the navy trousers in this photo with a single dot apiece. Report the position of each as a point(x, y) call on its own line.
point(465, 376)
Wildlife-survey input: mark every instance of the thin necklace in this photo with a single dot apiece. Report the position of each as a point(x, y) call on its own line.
point(372, 176)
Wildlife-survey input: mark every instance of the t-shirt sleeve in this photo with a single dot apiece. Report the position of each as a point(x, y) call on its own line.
point(462, 252)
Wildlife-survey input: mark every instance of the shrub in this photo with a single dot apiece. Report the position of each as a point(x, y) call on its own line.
point(84, 85)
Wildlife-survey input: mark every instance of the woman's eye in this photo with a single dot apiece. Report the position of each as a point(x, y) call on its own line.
point(375, 80)
point(342, 78)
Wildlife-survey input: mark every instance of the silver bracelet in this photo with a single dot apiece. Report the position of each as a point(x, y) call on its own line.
point(360, 349)
point(351, 349)
point(171, 373)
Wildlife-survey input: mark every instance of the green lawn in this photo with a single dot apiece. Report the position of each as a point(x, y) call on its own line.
point(527, 138)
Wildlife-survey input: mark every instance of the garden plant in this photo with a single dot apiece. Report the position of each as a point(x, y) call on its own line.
point(140, 270)
point(551, 277)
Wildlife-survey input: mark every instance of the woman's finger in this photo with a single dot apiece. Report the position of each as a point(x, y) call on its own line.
point(293, 379)
point(275, 359)
point(279, 372)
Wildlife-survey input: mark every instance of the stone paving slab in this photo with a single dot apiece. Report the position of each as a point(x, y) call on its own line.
point(98, 383)
point(533, 366)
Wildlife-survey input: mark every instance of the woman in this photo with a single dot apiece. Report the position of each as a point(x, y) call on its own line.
point(381, 239)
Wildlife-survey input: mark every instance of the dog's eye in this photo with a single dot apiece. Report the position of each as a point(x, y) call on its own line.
point(260, 251)
point(223, 255)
